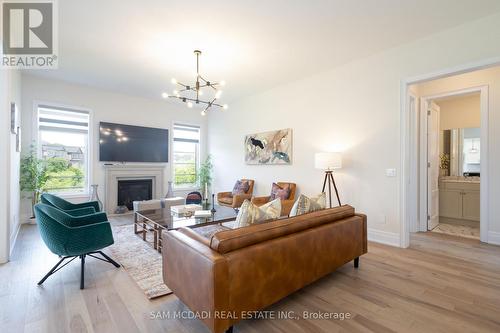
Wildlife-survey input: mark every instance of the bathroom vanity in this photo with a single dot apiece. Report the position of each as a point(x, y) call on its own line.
point(459, 199)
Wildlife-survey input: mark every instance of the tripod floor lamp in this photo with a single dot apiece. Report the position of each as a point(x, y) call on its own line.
point(329, 162)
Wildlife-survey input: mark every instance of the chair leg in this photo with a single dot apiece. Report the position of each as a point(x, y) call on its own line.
point(356, 262)
point(51, 271)
point(82, 276)
point(109, 259)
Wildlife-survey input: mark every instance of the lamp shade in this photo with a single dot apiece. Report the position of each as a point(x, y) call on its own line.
point(328, 161)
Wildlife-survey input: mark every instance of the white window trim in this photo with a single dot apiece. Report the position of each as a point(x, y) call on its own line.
point(197, 187)
point(35, 137)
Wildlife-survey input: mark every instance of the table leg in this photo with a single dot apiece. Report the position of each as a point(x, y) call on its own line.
point(155, 237)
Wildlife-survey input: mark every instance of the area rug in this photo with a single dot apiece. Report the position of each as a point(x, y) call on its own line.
point(140, 260)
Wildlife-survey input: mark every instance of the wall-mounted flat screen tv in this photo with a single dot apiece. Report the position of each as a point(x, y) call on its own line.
point(126, 143)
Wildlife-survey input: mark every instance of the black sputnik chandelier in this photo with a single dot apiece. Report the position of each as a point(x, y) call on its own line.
point(190, 94)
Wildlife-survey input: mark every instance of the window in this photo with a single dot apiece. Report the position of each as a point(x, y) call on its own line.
point(186, 157)
point(63, 141)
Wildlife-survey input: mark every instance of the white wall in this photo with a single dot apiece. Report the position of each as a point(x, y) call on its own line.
point(460, 112)
point(354, 108)
point(105, 106)
point(10, 91)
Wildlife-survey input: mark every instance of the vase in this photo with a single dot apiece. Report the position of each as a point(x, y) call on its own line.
point(170, 190)
point(94, 196)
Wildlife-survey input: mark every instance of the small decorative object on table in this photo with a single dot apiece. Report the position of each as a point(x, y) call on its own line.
point(213, 210)
point(94, 196)
point(170, 190)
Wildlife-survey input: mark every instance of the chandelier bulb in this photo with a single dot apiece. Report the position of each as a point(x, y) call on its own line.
point(203, 113)
point(222, 83)
point(218, 93)
point(190, 104)
point(164, 95)
point(225, 106)
point(174, 81)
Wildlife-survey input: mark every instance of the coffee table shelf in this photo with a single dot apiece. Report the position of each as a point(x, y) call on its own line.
point(154, 221)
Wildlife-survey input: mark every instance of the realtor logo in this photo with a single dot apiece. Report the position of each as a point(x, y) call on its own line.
point(29, 34)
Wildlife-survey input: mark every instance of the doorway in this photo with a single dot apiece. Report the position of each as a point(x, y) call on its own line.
point(454, 162)
point(415, 182)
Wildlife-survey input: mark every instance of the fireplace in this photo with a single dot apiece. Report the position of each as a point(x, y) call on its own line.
point(130, 190)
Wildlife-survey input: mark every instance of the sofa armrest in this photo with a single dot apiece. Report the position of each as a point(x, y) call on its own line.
point(198, 276)
point(365, 232)
point(259, 201)
point(239, 198)
point(224, 195)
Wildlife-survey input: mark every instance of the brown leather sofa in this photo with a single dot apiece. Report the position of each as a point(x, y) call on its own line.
point(235, 201)
point(250, 268)
point(286, 205)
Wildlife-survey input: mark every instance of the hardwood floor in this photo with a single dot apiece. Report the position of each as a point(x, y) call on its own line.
point(440, 284)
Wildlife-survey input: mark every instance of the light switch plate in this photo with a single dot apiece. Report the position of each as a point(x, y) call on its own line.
point(390, 172)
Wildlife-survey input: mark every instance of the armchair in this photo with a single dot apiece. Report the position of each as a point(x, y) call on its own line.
point(83, 208)
point(235, 201)
point(71, 236)
point(286, 205)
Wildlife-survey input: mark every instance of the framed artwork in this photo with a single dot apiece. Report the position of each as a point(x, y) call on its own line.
point(14, 118)
point(274, 147)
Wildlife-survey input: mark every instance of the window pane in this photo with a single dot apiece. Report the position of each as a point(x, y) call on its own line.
point(185, 155)
point(63, 145)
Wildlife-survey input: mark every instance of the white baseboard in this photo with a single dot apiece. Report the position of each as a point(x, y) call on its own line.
point(13, 238)
point(494, 237)
point(384, 237)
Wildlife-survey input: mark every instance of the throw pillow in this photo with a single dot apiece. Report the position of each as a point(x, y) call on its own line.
point(241, 187)
point(250, 213)
point(282, 193)
point(307, 205)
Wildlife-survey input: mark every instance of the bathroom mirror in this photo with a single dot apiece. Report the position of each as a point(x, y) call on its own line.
point(460, 152)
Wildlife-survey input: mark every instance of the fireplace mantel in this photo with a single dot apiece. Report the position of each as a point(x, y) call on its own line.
point(113, 173)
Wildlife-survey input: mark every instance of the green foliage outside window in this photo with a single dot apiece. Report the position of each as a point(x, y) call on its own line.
point(52, 174)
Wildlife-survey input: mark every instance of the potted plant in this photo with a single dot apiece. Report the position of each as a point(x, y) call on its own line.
point(205, 176)
point(444, 164)
point(33, 176)
point(35, 173)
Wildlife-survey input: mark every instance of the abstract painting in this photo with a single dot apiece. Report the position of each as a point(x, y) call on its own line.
point(274, 147)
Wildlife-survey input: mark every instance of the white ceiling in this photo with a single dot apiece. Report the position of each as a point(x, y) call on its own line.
point(136, 47)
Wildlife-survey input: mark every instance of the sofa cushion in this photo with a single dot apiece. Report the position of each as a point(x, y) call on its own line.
point(281, 192)
point(230, 240)
point(241, 187)
point(307, 205)
point(250, 213)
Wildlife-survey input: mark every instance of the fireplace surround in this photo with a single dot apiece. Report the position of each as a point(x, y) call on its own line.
point(130, 173)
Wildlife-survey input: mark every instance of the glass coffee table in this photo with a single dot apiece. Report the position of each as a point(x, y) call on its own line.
point(152, 222)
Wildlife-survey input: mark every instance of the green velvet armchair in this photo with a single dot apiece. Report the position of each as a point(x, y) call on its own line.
point(71, 236)
point(78, 209)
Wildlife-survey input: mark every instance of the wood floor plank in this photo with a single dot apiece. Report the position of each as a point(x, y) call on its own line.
point(440, 284)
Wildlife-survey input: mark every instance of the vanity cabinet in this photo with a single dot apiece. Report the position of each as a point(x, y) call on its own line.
point(459, 200)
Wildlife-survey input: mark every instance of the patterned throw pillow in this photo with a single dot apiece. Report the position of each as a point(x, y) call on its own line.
point(307, 205)
point(282, 193)
point(250, 213)
point(241, 187)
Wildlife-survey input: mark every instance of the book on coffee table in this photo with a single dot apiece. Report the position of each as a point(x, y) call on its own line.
point(183, 209)
point(202, 213)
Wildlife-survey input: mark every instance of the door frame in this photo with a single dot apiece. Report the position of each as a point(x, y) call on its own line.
point(409, 194)
point(424, 105)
